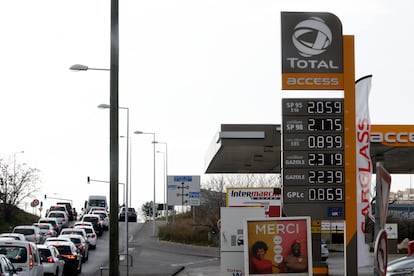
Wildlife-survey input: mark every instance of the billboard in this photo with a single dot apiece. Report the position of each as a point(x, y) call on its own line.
point(278, 246)
point(311, 51)
point(270, 198)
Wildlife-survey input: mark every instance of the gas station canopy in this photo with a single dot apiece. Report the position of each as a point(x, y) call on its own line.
point(247, 148)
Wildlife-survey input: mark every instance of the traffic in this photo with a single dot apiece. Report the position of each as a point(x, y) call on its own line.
point(58, 243)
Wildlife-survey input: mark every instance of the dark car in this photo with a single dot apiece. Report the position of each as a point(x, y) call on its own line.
point(71, 214)
point(69, 253)
point(132, 214)
point(96, 222)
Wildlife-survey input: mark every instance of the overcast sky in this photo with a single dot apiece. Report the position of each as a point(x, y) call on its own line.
point(185, 68)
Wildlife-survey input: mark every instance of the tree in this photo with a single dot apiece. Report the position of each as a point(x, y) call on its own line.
point(17, 182)
point(213, 195)
point(147, 209)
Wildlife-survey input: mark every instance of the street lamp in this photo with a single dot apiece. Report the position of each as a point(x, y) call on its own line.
point(114, 139)
point(164, 183)
point(153, 204)
point(165, 179)
point(81, 67)
point(127, 177)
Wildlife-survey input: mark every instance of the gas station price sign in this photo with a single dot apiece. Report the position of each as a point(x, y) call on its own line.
point(313, 155)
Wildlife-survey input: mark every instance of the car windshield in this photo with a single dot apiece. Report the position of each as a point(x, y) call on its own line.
point(56, 215)
point(76, 240)
point(24, 231)
point(44, 253)
point(15, 254)
point(44, 226)
point(97, 202)
point(91, 219)
point(64, 249)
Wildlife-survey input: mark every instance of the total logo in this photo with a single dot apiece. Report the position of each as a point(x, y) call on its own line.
point(312, 37)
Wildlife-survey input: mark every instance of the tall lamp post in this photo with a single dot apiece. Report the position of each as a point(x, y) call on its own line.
point(165, 180)
point(113, 138)
point(126, 178)
point(163, 156)
point(153, 203)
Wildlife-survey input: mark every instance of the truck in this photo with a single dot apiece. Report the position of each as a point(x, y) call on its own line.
point(95, 201)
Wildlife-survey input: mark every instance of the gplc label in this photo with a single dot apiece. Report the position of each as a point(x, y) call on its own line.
point(295, 195)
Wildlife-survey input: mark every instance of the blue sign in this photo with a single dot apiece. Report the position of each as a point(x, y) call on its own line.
point(183, 178)
point(335, 212)
point(194, 195)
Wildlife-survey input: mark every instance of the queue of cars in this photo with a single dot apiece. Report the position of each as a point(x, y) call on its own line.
point(51, 246)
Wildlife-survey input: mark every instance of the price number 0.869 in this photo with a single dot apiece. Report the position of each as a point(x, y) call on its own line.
point(326, 194)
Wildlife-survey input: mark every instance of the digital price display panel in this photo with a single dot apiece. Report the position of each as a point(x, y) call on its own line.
point(313, 156)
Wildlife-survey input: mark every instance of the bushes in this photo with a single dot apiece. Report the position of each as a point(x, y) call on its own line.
point(183, 231)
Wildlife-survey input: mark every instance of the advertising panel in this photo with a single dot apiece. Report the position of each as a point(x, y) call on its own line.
point(278, 246)
point(270, 198)
point(311, 51)
point(232, 238)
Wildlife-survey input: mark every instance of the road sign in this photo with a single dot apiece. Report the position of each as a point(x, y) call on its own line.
point(183, 190)
point(381, 253)
point(313, 157)
point(35, 203)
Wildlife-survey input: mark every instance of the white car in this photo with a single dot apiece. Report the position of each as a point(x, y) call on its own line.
point(90, 232)
point(46, 229)
point(30, 232)
point(61, 216)
point(77, 231)
point(24, 255)
point(104, 217)
point(51, 261)
point(16, 236)
point(83, 223)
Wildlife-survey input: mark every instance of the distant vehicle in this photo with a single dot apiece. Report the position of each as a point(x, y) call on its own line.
point(30, 232)
point(104, 217)
point(61, 216)
point(52, 240)
point(46, 229)
point(96, 222)
point(51, 260)
point(83, 223)
point(78, 231)
point(6, 267)
point(69, 253)
point(58, 208)
point(90, 232)
point(95, 201)
point(24, 255)
point(81, 244)
point(132, 214)
point(53, 221)
point(93, 209)
point(16, 236)
point(71, 211)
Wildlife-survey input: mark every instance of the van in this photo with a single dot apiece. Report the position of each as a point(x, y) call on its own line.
point(95, 201)
point(24, 255)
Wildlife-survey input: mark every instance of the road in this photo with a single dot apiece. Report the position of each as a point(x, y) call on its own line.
point(149, 255)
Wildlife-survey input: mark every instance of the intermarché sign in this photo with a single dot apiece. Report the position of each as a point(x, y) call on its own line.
point(312, 51)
